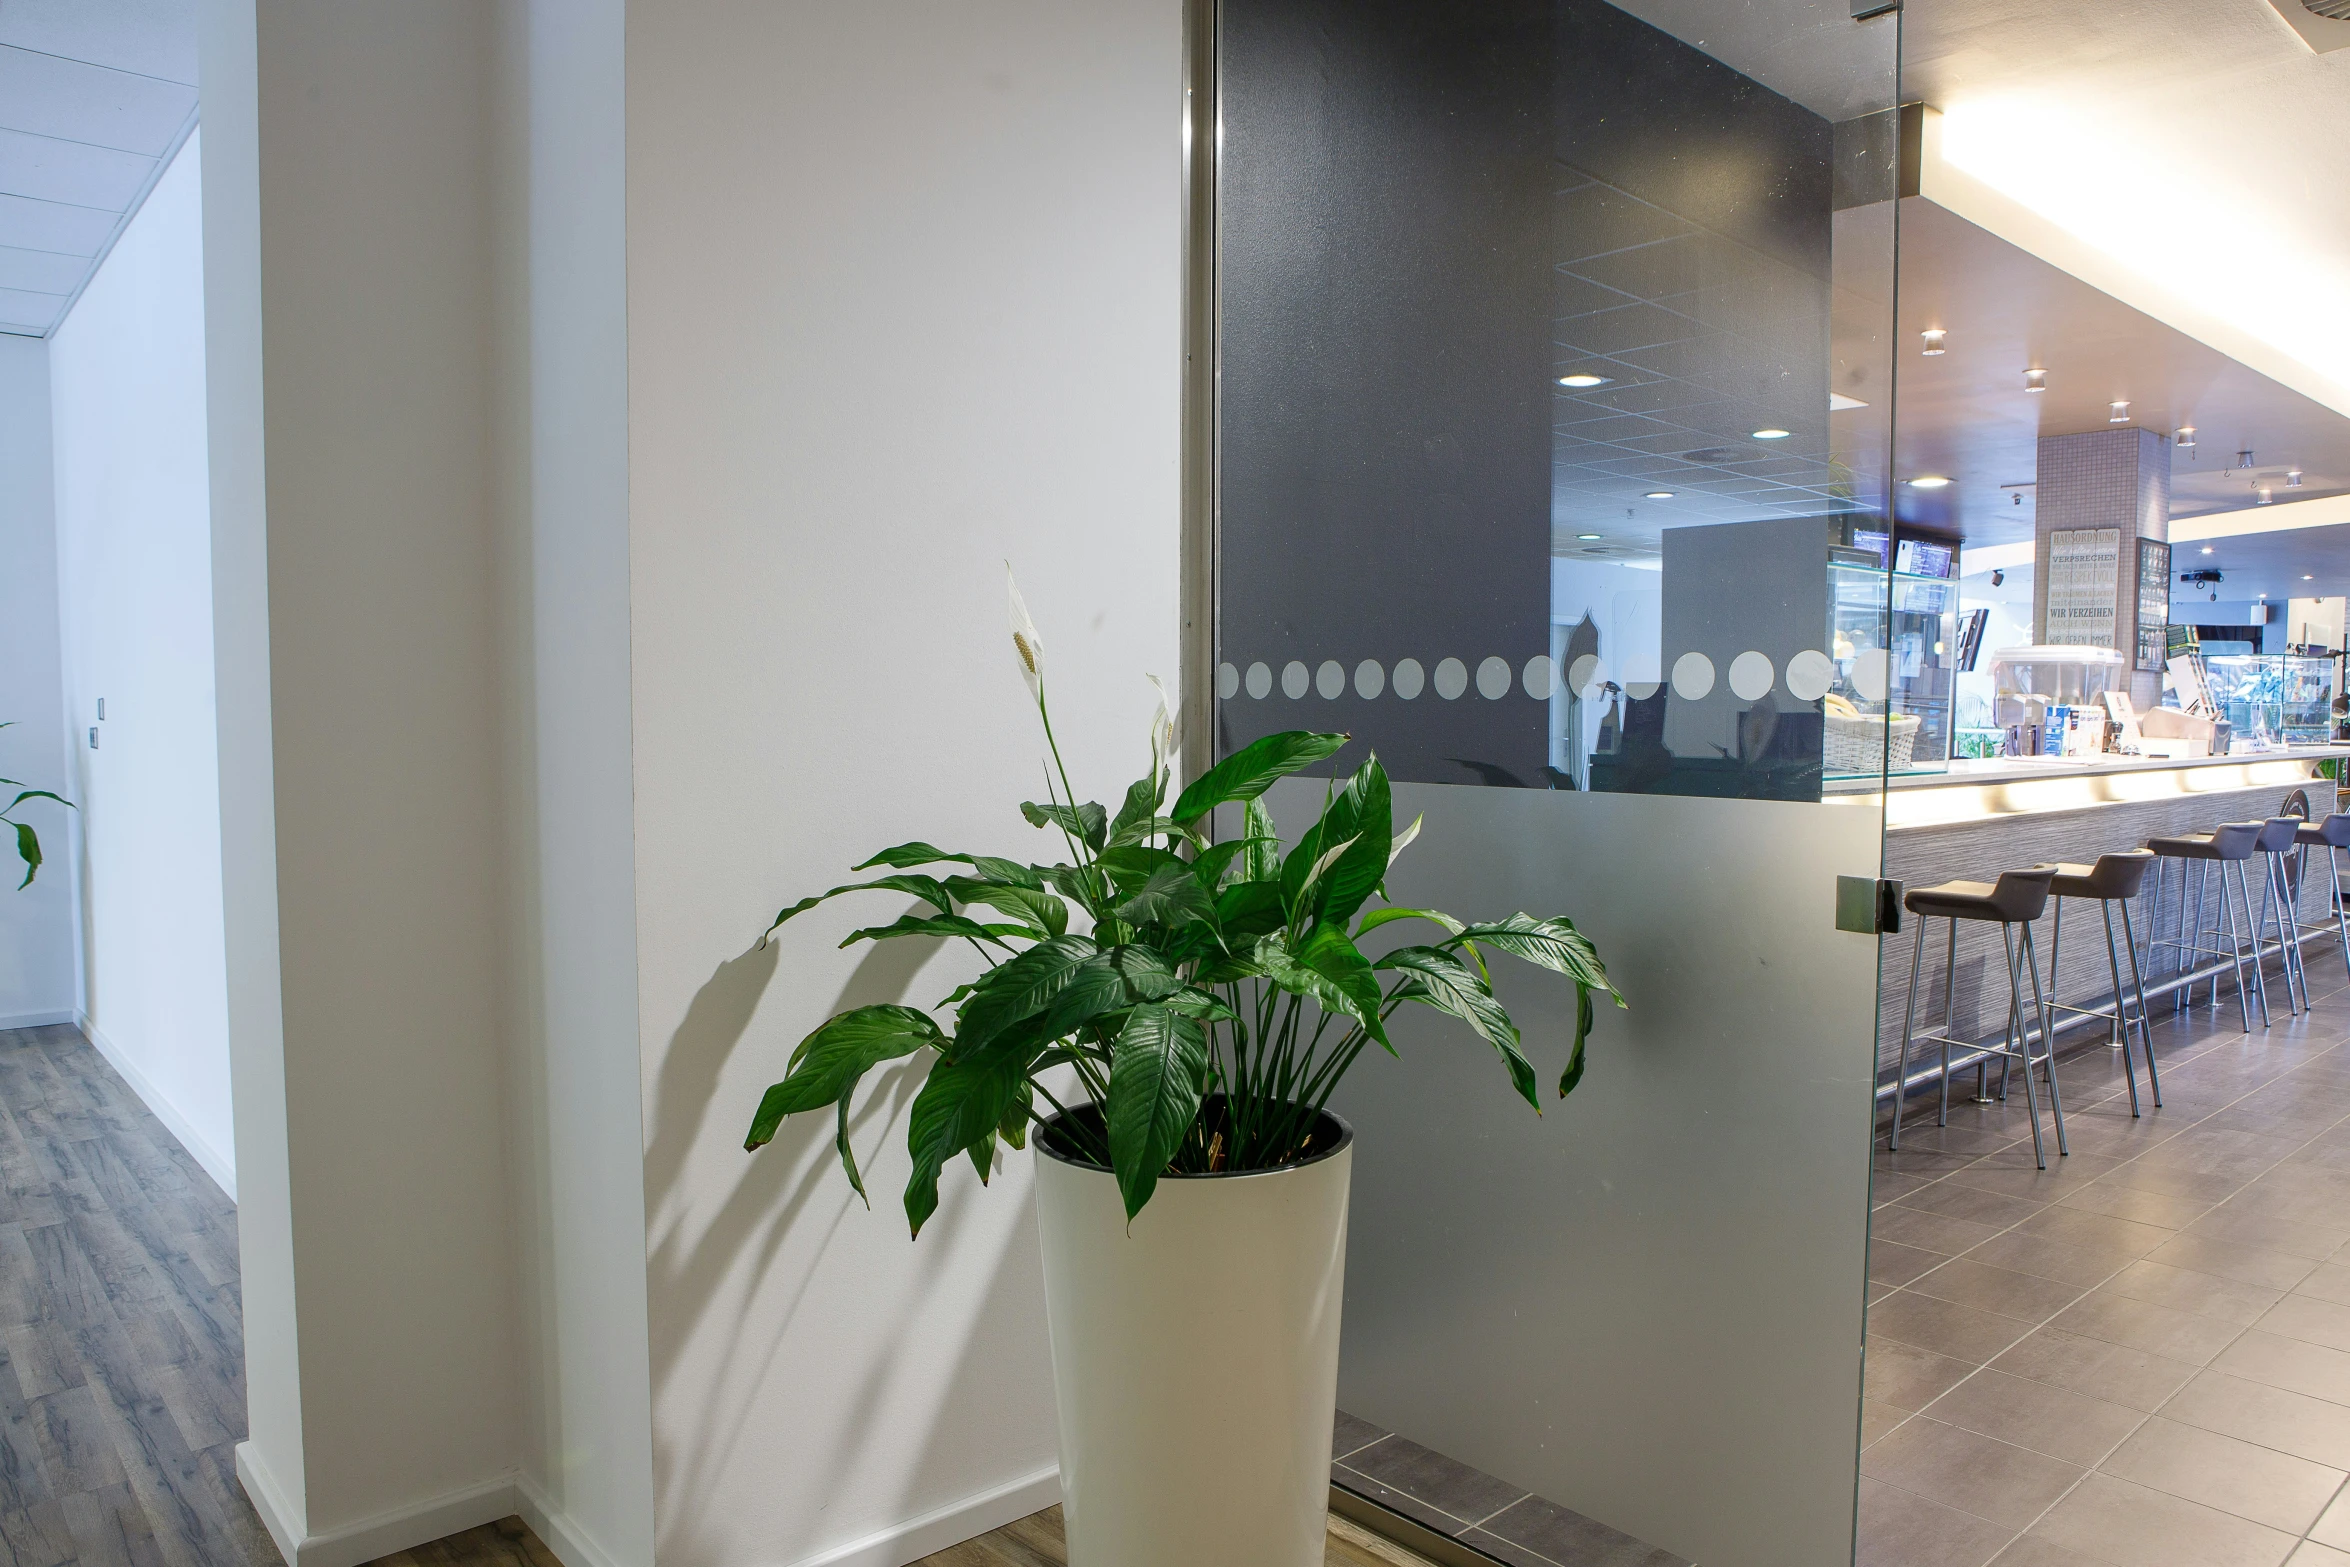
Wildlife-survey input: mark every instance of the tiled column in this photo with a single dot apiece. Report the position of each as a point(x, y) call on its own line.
point(2117, 478)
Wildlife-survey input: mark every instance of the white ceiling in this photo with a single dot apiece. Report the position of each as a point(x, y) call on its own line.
point(95, 96)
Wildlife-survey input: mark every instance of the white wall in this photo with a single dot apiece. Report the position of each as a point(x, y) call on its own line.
point(586, 1427)
point(37, 924)
point(349, 295)
point(135, 585)
point(904, 293)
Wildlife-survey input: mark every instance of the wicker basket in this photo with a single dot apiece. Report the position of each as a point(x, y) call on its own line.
point(1857, 745)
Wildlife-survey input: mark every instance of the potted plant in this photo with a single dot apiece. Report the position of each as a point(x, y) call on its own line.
point(1167, 1018)
point(28, 842)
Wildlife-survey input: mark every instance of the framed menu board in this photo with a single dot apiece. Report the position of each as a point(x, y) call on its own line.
point(2153, 602)
point(2084, 571)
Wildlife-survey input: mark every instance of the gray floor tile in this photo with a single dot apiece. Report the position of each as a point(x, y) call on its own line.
point(1349, 1435)
point(2159, 1330)
point(2311, 1320)
point(2025, 1296)
point(2184, 1289)
point(2288, 1363)
point(2067, 1426)
point(1993, 1479)
point(2334, 1528)
point(2274, 1417)
point(1907, 1377)
point(2133, 1526)
point(1430, 1477)
point(2227, 1473)
point(1954, 1331)
point(1902, 1529)
point(1562, 1535)
point(2097, 1369)
point(2255, 1265)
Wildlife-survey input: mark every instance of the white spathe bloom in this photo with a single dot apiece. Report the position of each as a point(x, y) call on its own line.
point(1162, 729)
point(1025, 641)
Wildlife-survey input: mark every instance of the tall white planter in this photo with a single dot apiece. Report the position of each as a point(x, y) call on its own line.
point(1195, 1360)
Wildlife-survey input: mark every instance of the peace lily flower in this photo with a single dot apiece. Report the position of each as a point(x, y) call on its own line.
point(1025, 641)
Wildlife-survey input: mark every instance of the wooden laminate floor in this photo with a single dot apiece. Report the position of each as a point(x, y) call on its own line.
point(1036, 1541)
point(122, 1348)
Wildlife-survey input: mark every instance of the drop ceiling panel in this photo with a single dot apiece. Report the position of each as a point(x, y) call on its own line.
point(150, 37)
point(45, 96)
point(40, 271)
point(43, 168)
point(25, 311)
point(54, 226)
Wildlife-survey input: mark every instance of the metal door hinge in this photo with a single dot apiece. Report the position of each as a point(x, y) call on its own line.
point(1862, 10)
point(1868, 905)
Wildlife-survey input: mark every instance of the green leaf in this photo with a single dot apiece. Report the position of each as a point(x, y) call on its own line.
point(1201, 1004)
point(1131, 866)
point(1034, 905)
point(848, 1157)
point(1218, 860)
point(909, 854)
point(28, 849)
point(1172, 896)
point(1158, 1071)
point(1020, 989)
point(1446, 983)
point(1146, 975)
point(1152, 827)
point(1095, 988)
point(1006, 873)
point(1141, 805)
point(1327, 970)
point(827, 1064)
point(927, 888)
point(1362, 817)
point(947, 927)
point(957, 1111)
point(1249, 909)
point(1378, 917)
point(1264, 841)
point(1574, 1072)
point(1251, 770)
point(33, 794)
point(1089, 824)
point(1555, 944)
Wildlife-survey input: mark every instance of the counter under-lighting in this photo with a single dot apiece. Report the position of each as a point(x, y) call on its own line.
point(1976, 791)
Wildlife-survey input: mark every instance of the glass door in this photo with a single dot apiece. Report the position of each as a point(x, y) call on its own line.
point(1554, 385)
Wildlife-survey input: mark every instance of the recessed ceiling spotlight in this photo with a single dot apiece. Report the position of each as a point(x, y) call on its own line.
point(1934, 339)
point(2035, 380)
point(2120, 414)
point(1588, 538)
point(2206, 549)
point(1579, 382)
point(2267, 495)
point(1772, 434)
point(1930, 481)
point(2308, 577)
point(2186, 437)
point(1658, 495)
point(2292, 478)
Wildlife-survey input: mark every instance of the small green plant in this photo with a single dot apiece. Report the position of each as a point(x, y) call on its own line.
point(1206, 998)
point(28, 842)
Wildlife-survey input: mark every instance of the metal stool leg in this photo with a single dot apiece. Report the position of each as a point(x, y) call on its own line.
point(2145, 1023)
point(2334, 894)
point(2047, 1043)
point(1908, 1017)
point(2259, 979)
point(2015, 1017)
point(2121, 1008)
point(2290, 914)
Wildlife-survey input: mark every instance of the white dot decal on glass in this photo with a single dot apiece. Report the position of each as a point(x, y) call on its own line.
point(1540, 676)
point(1493, 679)
point(1693, 677)
point(1642, 677)
point(1330, 679)
point(1452, 678)
point(1869, 670)
point(1294, 680)
point(1370, 679)
point(1587, 675)
point(1751, 676)
point(1410, 678)
point(1227, 682)
point(1260, 681)
point(1809, 674)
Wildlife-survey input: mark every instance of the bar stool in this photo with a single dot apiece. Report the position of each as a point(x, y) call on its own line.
point(2228, 847)
point(2012, 903)
point(2332, 835)
point(2278, 835)
point(2114, 879)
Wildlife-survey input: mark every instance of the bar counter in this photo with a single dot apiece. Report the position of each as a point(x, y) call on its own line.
point(1983, 817)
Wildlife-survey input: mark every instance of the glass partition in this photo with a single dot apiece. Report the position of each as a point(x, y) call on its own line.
point(1554, 393)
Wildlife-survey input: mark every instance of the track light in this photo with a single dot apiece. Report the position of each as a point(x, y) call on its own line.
point(2035, 380)
point(2120, 414)
point(1934, 337)
point(2186, 438)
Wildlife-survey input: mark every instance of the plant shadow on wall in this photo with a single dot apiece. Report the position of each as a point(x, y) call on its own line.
point(700, 1267)
point(1159, 1007)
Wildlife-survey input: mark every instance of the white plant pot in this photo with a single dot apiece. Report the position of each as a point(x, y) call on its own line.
point(1195, 1360)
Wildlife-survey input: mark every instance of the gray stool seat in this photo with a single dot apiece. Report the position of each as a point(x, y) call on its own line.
point(2232, 842)
point(2017, 898)
point(2332, 833)
point(2112, 878)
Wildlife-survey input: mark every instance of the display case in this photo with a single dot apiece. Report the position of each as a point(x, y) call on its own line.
point(2273, 699)
point(2049, 700)
point(1891, 634)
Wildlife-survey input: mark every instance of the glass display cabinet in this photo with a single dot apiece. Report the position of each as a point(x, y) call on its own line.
point(2273, 699)
point(1892, 634)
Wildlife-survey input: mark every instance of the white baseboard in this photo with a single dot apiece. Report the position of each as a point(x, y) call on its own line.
point(222, 1170)
point(950, 1525)
point(556, 1527)
point(381, 1535)
point(35, 1019)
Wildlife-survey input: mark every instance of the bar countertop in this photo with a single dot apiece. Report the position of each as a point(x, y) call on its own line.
point(2015, 786)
